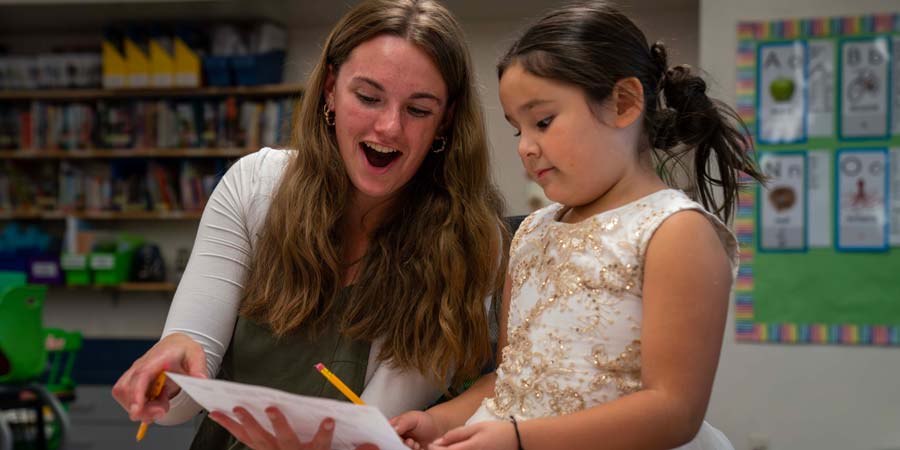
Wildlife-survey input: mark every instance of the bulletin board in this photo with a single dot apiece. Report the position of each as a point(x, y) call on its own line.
point(820, 243)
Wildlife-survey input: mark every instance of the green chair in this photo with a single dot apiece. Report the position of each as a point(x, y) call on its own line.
point(62, 347)
point(10, 279)
point(21, 333)
point(23, 359)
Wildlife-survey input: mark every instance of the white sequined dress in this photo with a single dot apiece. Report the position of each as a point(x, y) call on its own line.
point(574, 329)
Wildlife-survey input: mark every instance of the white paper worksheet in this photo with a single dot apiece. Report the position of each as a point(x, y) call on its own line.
point(354, 424)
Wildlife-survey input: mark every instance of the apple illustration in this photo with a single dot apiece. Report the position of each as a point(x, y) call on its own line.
point(782, 89)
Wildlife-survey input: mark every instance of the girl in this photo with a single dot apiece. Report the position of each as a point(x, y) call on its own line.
point(617, 295)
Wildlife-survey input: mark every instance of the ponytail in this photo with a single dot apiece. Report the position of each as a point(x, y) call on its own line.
point(685, 119)
point(592, 45)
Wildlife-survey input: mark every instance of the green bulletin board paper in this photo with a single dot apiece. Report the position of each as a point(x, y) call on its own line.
point(816, 294)
point(824, 286)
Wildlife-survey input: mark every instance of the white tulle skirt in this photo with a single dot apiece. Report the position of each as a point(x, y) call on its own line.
point(708, 438)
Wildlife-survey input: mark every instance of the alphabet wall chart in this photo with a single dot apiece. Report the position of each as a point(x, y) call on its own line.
point(820, 261)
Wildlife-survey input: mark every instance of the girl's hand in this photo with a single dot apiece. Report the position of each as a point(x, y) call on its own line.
point(175, 353)
point(496, 435)
point(416, 428)
point(247, 430)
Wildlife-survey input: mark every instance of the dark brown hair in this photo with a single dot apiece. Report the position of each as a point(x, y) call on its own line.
point(434, 258)
point(592, 45)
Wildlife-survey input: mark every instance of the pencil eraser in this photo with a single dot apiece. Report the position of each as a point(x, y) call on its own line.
point(320, 366)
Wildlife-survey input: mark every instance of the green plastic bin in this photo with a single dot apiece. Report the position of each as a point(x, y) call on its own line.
point(75, 267)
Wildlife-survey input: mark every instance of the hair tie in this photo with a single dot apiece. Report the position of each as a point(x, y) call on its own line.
point(516, 427)
point(685, 91)
point(660, 59)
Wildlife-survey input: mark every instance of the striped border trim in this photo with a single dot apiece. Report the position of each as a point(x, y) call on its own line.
point(746, 329)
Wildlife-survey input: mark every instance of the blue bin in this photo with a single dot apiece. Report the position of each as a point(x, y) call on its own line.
point(13, 263)
point(217, 71)
point(253, 70)
point(17, 260)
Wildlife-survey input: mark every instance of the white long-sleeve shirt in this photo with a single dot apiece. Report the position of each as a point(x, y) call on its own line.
point(206, 302)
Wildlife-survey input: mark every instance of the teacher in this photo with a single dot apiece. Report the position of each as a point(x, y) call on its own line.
point(372, 246)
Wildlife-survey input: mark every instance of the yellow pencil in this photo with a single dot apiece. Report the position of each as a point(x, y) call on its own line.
point(339, 384)
point(155, 390)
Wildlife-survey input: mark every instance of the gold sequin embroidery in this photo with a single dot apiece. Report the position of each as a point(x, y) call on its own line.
point(575, 315)
point(623, 371)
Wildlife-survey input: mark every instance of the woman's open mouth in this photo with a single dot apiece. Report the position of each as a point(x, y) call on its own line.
point(379, 155)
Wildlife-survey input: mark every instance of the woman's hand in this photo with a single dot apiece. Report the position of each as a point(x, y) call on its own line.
point(175, 353)
point(497, 435)
point(416, 428)
point(247, 430)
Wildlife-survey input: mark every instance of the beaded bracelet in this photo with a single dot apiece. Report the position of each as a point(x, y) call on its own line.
point(516, 427)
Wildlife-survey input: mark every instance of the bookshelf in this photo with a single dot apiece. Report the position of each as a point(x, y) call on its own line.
point(100, 215)
point(137, 162)
point(130, 93)
point(130, 153)
point(115, 292)
point(163, 287)
point(125, 153)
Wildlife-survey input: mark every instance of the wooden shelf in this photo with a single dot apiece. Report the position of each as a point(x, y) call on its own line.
point(125, 287)
point(129, 93)
point(146, 287)
point(102, 215)
point(127, 153)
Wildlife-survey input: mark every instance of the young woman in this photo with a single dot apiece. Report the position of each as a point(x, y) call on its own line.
point(372, 246)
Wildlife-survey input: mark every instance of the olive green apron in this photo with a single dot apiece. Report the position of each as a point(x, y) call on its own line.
point(256, 357)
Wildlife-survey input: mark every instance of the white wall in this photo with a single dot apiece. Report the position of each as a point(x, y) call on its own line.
point(796, 397)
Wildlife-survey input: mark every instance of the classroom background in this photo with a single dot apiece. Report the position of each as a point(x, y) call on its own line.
point(769, 394)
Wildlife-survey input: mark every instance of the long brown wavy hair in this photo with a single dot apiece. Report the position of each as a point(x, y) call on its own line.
point(434, 258)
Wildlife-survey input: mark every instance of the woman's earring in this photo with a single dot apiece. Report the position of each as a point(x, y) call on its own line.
point(329, 115)
point(439, 144)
